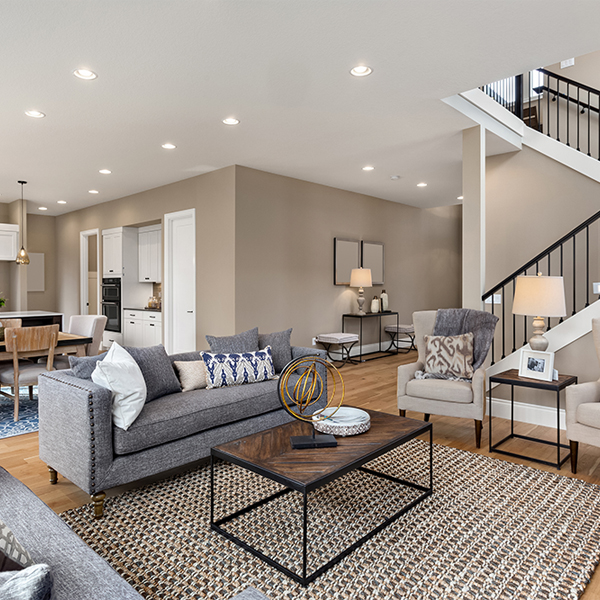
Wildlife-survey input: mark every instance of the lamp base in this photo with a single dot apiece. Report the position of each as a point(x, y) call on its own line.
point(361, 301)
point(537, 341)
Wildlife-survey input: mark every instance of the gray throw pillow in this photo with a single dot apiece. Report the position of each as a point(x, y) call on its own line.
point(32, 583)
point(157, 369)
point(281, 347)
point(247, 341)
point(83, 366)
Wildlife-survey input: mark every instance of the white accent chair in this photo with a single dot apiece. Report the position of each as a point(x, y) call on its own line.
point(439, 396)
point(88, 326)
point(583, 408)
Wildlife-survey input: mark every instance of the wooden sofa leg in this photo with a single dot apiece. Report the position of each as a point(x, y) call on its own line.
point(31, 392)
point(98, 500)
point(425, 417)
point(402, 413)
point(53, 476)
point(574, 452)
point(478, 428)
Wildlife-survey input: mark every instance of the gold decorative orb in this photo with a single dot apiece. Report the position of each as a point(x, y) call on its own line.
point(301, 386)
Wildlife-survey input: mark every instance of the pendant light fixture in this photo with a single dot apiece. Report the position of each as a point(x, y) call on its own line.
point(22, 256)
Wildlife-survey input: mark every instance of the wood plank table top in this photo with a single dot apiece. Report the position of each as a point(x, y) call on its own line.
point(68, 343)
point(269, 453)
point(512, 377)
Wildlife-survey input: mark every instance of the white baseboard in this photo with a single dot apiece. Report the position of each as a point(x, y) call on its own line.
point(527, 413)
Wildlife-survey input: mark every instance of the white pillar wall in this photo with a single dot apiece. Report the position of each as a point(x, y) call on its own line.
point(473, 232)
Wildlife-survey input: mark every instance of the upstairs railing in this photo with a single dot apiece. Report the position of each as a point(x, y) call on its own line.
point(569, 257)
point(562, 108)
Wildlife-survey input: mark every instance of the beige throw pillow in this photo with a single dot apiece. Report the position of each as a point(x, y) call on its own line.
point(449, 355)
point(192, 374)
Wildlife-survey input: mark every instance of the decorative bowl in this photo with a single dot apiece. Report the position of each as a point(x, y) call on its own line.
point(346, 421)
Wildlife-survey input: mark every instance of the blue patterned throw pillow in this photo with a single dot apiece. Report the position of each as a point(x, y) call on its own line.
point(237, 369)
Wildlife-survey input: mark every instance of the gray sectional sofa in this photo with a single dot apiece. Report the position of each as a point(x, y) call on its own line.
point(78, 440)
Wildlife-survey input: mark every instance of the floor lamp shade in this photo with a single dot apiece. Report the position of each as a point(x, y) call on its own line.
point(361, 278)
point(539, 297)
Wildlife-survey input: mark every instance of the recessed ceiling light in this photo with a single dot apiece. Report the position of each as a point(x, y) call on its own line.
point(42, 208)
point(361, 71)
point(459, 197)
point(105, 171)
point(169, 146)
point(61, 202)
point(394, 177)
point(421, 185)
point(36, 114)
point(231, 121)
point(368, 168)
point(93, 191)
point(84, 74)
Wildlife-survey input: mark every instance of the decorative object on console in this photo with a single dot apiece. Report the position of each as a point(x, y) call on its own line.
point(385, 304)
point(375, 305)
point(238, 368)
point(22, 257)
point(361, 278)
point(346, 421)
point(247, 341)
point(539, 295)
point(306, 393)
point(537, 365)
point(449, 355)
point(192, 374)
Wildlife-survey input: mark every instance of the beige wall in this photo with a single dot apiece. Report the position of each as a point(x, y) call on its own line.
point(41, 237)
point(212, 195)
point(284, 254)
point(585, 70)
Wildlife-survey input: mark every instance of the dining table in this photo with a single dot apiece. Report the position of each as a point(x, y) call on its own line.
point(68, 343)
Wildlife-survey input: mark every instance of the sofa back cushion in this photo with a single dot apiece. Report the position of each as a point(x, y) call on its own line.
point(281, 347)
point(247, 341)
point(83, 366)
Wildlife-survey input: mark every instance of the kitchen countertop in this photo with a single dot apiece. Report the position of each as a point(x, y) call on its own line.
point(144, 309)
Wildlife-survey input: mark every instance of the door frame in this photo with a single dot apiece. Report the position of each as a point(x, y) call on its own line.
point(83, 269)
point(167, 286)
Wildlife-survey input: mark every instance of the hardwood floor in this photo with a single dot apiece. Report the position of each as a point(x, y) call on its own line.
point(368, 385)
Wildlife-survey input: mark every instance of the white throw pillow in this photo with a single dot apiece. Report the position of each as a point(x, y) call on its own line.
point(119, 373)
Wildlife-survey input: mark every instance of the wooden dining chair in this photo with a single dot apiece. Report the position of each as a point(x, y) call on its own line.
point(26, 342)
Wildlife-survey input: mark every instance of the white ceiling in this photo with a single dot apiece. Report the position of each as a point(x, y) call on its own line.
point(171, 70)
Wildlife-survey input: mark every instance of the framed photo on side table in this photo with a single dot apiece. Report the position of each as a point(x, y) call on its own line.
point(537, 365)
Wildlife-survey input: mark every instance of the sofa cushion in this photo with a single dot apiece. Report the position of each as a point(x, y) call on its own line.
point(588, 413)
point(12, 554)
point(186, 413)
point(191, 373)
point(83, 366)
point(157, 369)
point(32, 583)
point(440, 389)
point(247, 341)
point(238, 369)
point(281, 347)
point(183, 356)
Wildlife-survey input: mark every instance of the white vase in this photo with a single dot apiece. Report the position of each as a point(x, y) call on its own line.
point(375, 305)
point(384, 301)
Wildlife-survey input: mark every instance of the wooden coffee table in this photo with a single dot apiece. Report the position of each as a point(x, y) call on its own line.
point(270, 454)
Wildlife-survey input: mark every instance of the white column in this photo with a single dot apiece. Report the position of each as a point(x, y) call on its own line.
point(473, 238)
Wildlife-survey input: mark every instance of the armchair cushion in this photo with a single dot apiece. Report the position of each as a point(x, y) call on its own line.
point(440, 389)
point(589, 414)
point(450, 356)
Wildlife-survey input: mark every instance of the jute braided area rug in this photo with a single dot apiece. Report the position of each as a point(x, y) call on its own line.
point(491, 529)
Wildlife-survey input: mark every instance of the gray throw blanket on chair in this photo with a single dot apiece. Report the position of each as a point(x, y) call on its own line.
point(456, 321)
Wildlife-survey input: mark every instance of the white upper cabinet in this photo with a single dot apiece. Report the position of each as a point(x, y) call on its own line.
point(9, 241)
point(112, 244)
point(150, 244)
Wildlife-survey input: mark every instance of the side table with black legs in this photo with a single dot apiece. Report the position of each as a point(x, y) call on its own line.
point(513, 379)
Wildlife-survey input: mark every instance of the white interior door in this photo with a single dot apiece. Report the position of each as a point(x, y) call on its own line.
point(89, 298)
point(179, 293)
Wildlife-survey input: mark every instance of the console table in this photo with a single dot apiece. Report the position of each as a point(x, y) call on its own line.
point(381, 352)
point(513, 379)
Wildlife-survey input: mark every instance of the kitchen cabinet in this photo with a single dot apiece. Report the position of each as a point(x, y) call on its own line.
point(108, 337)
point(149, 248)
point(142, 328)
point(9, 241)
point(112, 254)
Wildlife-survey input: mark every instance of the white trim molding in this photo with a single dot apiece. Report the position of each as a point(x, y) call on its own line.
point(83, 270)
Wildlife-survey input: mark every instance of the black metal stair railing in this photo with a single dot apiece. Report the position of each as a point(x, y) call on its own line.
point(557, 106)
point(568, 257)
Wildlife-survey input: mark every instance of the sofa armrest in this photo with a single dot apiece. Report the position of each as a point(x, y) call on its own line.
point(478, 384)
point(581, 393)
point(405, 374)
point(76, 430)
point(298, 351)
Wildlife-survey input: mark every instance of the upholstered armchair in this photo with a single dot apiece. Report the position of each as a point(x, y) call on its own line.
point(439, 396)
point(583, 408)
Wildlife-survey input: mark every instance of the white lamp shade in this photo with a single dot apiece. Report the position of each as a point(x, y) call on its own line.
point(361, 278)
point(539, 296)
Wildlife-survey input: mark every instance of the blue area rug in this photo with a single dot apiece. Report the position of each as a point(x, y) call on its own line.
point(28, 415)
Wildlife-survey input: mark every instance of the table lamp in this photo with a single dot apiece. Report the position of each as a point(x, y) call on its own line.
point(538, 295)
point(361, 278)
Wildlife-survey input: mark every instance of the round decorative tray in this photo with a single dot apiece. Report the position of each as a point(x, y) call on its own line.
point(346, 421)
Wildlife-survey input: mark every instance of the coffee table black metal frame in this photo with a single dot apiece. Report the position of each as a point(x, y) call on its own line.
point(291, 485)
point(513, 379)
point(381, 352)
